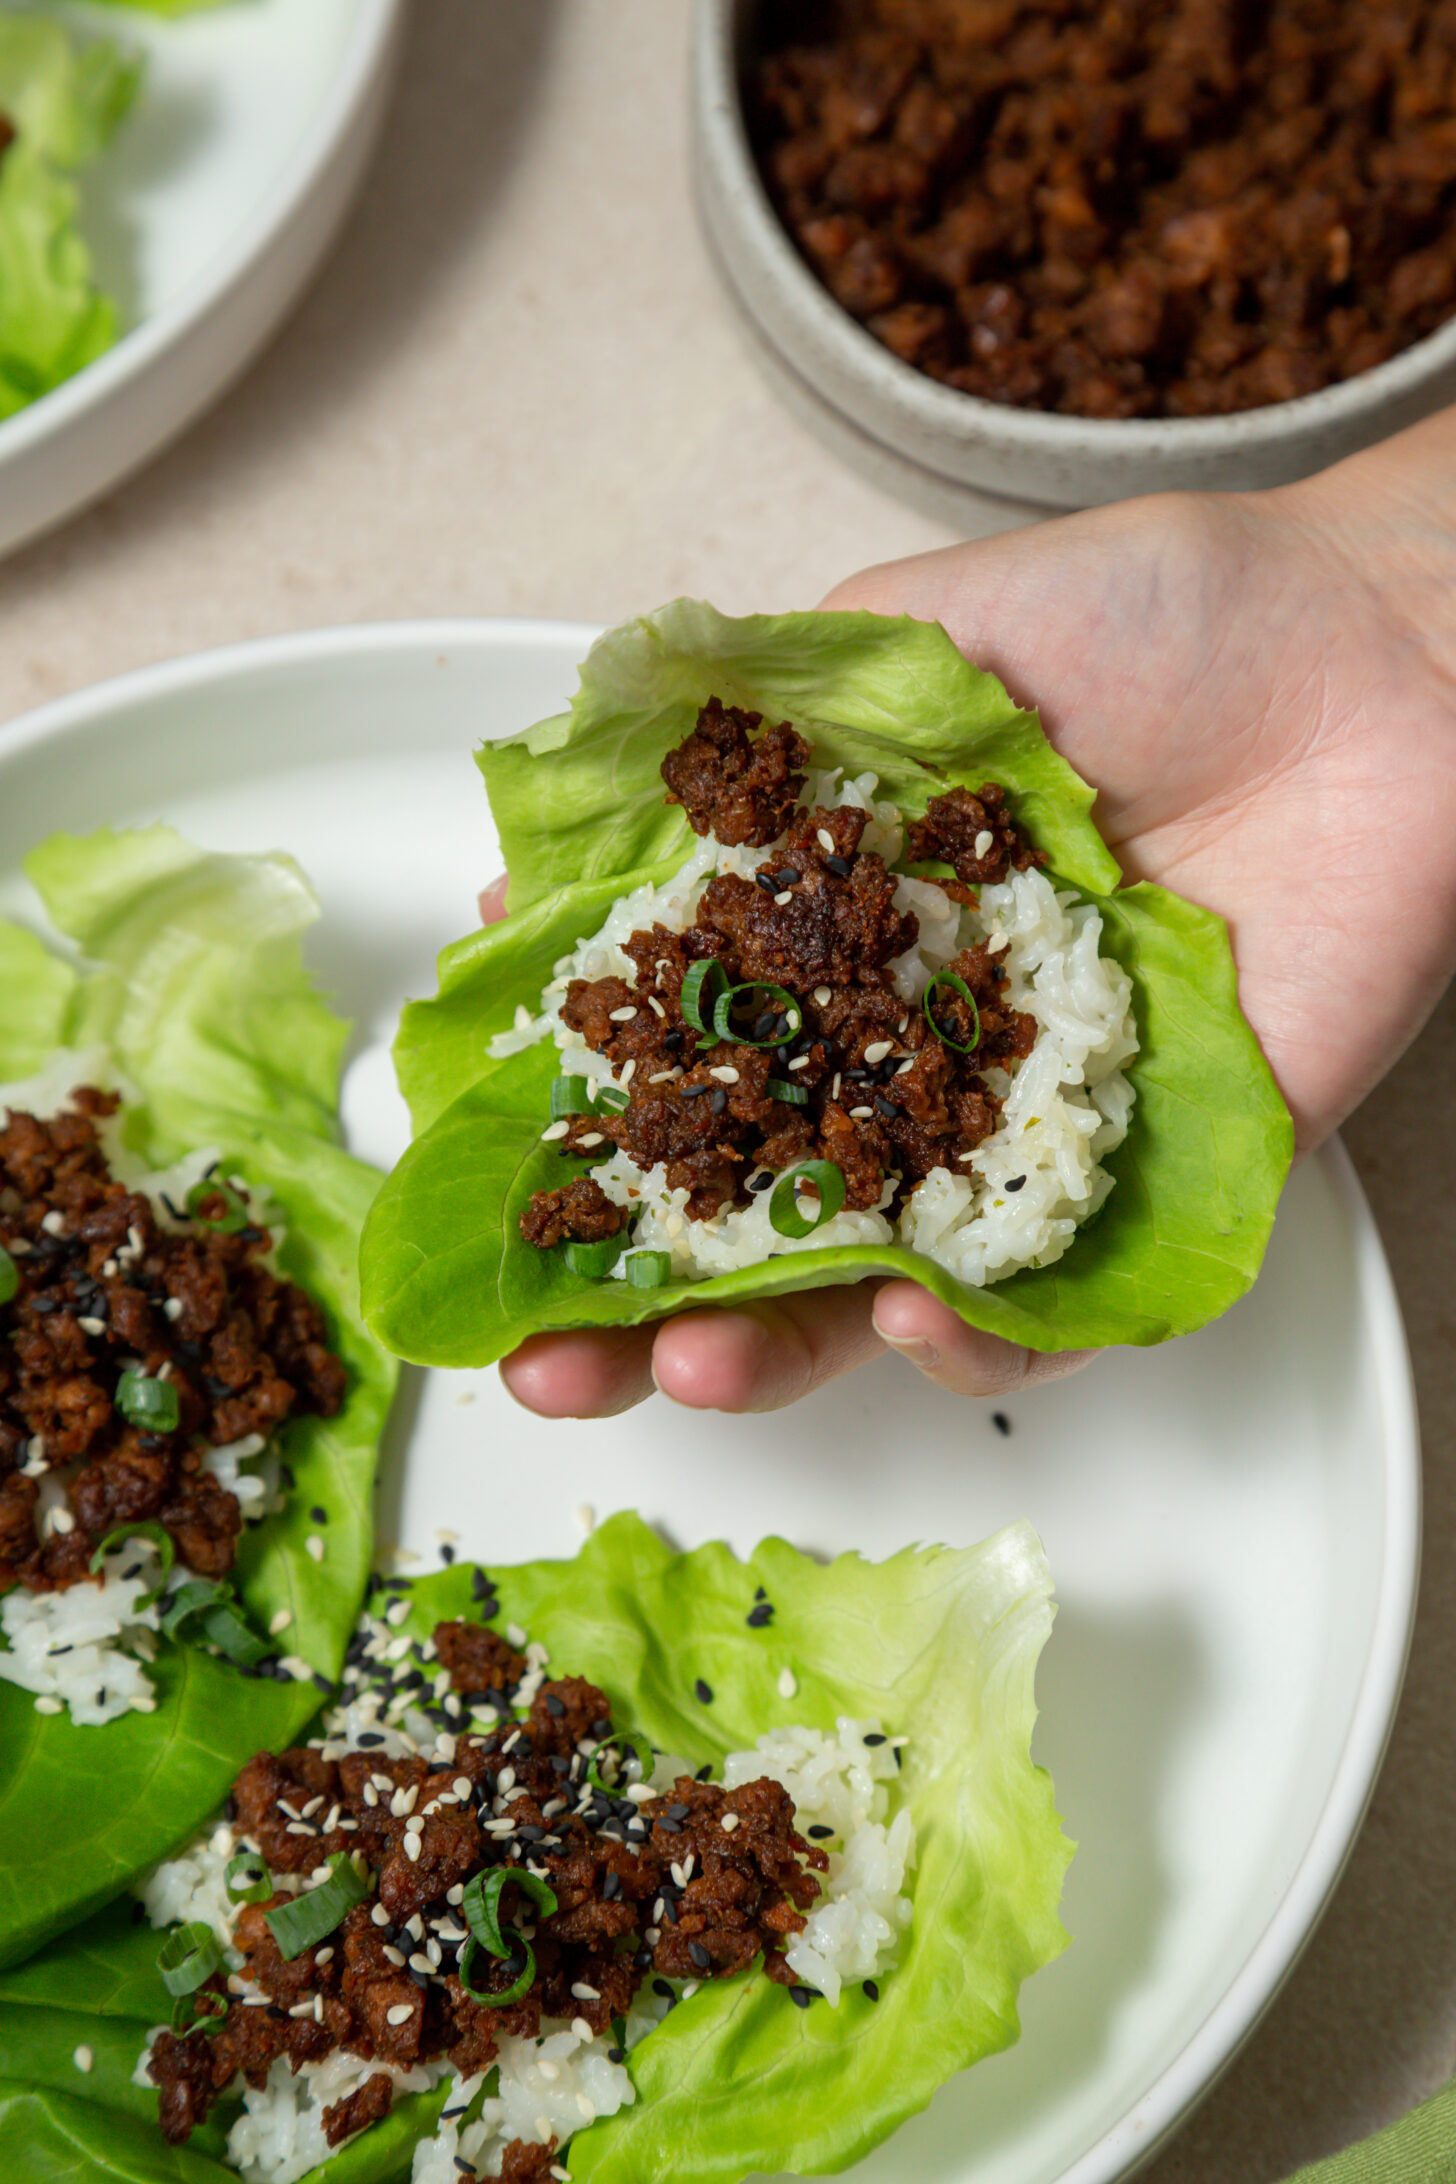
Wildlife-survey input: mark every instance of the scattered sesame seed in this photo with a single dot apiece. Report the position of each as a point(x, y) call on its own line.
point(826, 841)
point(801, 1997)
point(279, 1623)
point(724, 1074)
point(586, 1518)
point(984, 842)
point(83, 2058)
point(860, 1114)
point(871, 1987)
point(553, 1131)
point(1001, 1422)
point(412, 1849)
point(581, 1992)
point(703, 1692)
point(582, 2029)
point(173, 1308)
point(591, 1138)
point(729, 1822)
point(622, 1016)
point(788, 1683)
point(399, 2013)
point(315, 1546)
point(995, 942)
point(875, 1053)
point(801, 1061)
point(782, 897)
point(62, 1521)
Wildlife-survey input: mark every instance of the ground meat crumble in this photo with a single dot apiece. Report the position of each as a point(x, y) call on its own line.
point(883, 1095)
point(103, 1286)
point(1162, 208)
point(691, 1884)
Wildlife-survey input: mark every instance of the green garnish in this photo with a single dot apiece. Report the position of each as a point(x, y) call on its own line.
point(784, 1211)
point(574, 1096)
point(649, 1269)
point(954, 980)
point(481, 1906)
point(202, 2013)
point(598, 1259)
point(234, 1216)
point(627, 1748)
point(222, 1621)
point(298, 1925)
point(143, 1528)
point(784, 1005)
point(247, 1877)
point(9, 1276)
point(189, 1955)
point(149, 1403)
point(792, 1095)
point(702, 989)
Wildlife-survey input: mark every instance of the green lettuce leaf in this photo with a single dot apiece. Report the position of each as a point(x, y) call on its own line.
point(63, 97)
point(191, 977)
point(579, 804)
point(941, 1644)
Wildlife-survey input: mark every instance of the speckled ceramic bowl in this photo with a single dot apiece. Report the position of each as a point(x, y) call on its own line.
point(944, 447)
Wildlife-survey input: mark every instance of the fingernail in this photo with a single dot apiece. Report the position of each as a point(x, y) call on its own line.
point(920, 1353)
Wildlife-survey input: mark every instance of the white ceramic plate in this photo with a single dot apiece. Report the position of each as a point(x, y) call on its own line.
point(221, 191)
point(1232, 1520)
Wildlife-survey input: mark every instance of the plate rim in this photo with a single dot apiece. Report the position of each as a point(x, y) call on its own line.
point(1144, 2128)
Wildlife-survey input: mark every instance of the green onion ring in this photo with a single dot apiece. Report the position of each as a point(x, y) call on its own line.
point(783, 1205)
point(189, 1955)
point(202, 2013)
point(144, 1528)
point(223, 1623)
point(481, 1905)
point(9, 1276)
point(224, 1224)
point(574, 1096)
point(648, 1269)
point(953, 979)
point(693, 1002)
point(629, 1748)
point(144, 1401)
point(786, 1005)
point(518, 1987)
point(596, 1260)
point(792, 1095)
point(242, 1889)
point(296, 1926)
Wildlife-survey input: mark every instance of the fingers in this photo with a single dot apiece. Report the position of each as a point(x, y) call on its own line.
point(492, 900)
point(593, 1372)
point(961, 1359)
point(764, 1355)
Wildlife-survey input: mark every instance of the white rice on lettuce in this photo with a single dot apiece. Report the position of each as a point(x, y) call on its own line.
point(85, 1648)
point(1067, 1105)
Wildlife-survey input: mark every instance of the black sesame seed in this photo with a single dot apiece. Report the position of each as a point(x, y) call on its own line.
point(789, 877)
point(273, 2010)
point(801, 1997)
point(839, 866)
point(887, 1108)
point(602, 1728)
point(447, 1554)
point(138, 1913)
point(703, 1692)
point(871, 1987)
point(719, 1100)
point(760, 1593)
point(767, 882)
point(554, 1706)
point(611, 1887)
point(1000, 1421)
point(319, 1514)
point(876, 1736)
point(819, 1831)
point(699, 1955)
point(761, 1182)
point(481, 1587)
point(678, 1812)
point(616, 2055)
point(321, 1683)
point(1015, 1184)
point(696, 1091)
point(660, 1986)
point(286, 1477)
point(760, 1617)
point(466, 2168)
point(672, 1039)
point(367, 1737)
point(704, 1774)
point(670, 1827)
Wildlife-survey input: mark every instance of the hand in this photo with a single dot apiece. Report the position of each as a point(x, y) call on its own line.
point(1263, 689)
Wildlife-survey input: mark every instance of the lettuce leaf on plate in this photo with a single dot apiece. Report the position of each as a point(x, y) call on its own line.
point(62, 97)
point(579, 805)
point(184, 969)
point(940, 1643)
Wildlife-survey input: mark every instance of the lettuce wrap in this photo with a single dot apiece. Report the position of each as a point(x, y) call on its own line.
point(182, 971)
point(62, 97)
point(579, 804)
point(941, 1645)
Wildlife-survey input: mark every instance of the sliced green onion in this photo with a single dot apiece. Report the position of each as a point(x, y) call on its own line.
point(222, 1621)
point(784, 1211)
point(247, 1877)
point(952, 979)
point(792, 1095)
point(648, 1269)
point(481, 1905)
point(517, 1989)
point(784, 1005)
point(189, 1955)
point(202, 2013)
point(9, 1276)
point(235, 1211)
point(626, 1748)
point(701, 989)
point(598, 1259)
point(144, 1528)
point(570, 1096)
point(610, 1100)
point(151, 1404)
point(296, 1926)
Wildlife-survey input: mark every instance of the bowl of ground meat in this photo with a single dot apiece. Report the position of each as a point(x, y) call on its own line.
point(1065, 251)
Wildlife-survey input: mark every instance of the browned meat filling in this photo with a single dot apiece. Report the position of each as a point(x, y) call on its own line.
point(386, 1982)
point(738, 789)
point(1166, 208)
point(100, 1286)
point(883, 1096)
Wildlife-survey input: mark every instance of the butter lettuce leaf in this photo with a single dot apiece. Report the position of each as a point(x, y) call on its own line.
point(62, 97)
point(941, 1644)
point(184, 971)
point(579, 804)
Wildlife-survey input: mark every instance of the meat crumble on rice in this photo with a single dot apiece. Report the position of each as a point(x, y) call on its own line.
point(874, 1090)
point(104, 1286)
point(692, 1883)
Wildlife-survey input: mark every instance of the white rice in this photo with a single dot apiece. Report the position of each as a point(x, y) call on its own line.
point(557, 2083)
point(83, 1649)
point(1067, 1105)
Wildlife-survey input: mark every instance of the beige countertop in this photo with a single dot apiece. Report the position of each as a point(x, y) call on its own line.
point(516, 389)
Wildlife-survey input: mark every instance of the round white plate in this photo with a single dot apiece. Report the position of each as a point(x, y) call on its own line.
point(216, 199)
point(1232, 1520)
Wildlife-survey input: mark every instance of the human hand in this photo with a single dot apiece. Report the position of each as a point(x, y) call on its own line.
point(1263, 689)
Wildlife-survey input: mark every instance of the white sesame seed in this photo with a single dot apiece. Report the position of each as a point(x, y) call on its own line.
point(653, 1934)
point(299, 1827)
point(515, 1635)
point(54, 1224)
point(140, 1705)
point(419, 1962)
point(678, 1875)
point(586, 1518)
point(47, 1706)
point(592, 1137)
point(62, 1521)
point(788, 1683)
point(399, 2014)
point(724, 1073)
point(371, 1795)
point(311, 1808)
point(656, 1006)
point(455, 1895)
point(173, 1308)
point(967, 1156)
point(622, 1016)
point(860, 1114)
point(995, 942)
point(876, 1053)
point(403, 1801)
point(826, 841)
point(629, 1071)
point(543, 2130)
point(83, 2058)
point(553, 1131)
point(582, 2029)
point(302, 2009)
point(663, 1076)
point(834, 1088)
point(412, 1849)
point(585, 2107)
point(280, 1622)
point(89, 1326)
point(801, 1061)
point(984, 841)
point(397, 1613)
point(379, 1915)
point(908, 1063)
point(782, 896)
point(445, 1749)
point(548, 2069)
point(314, 1545)
point(729, 1822)
point(325, 1956)
point(581, 1992)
